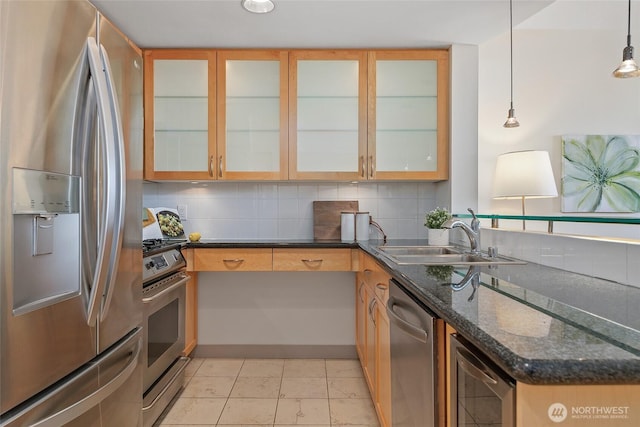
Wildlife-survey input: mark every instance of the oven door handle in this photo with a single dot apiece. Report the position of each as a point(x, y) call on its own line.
point(183, 279)
point(474, 367)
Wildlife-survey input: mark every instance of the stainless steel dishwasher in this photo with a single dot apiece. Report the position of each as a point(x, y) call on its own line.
point(413, 361)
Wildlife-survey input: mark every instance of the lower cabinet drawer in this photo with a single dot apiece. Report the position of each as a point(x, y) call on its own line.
point(312, 260)
point(223, 259)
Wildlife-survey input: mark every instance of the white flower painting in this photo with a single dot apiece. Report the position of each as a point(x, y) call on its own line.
point(600, 173)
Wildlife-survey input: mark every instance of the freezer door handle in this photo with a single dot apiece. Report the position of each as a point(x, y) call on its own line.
point(83, 392)
point(74, 411)
point(117, 172)
point(108, 208)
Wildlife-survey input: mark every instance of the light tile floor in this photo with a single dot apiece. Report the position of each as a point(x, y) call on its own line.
point(272, 393)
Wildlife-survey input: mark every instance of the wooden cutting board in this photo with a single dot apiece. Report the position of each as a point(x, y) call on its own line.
point(326, 217)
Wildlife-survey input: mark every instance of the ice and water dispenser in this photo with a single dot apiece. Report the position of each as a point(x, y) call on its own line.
point(46, 238)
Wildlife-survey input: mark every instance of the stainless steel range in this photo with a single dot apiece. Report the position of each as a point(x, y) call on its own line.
point(163, 297)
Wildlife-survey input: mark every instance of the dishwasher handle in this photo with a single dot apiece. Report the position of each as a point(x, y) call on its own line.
point(414, 331)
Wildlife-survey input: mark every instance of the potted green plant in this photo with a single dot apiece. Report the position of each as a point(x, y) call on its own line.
point(437, 236)
point(442, 273)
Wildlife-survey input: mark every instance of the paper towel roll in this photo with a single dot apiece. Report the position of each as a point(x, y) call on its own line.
point(348, 226)
point(362, 226)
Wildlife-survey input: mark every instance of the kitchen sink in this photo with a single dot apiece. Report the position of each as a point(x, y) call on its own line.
point(418, 250)
point(440, 255)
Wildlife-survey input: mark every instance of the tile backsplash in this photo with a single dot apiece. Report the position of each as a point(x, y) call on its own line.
point(275, 210)
point(284, 211)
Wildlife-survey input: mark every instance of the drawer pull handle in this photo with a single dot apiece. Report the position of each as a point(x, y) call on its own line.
point(236, 260)
point(381, 286)
point(312, 260)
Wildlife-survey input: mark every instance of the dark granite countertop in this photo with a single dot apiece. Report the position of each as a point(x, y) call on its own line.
point(541, 325)
point(302, 243)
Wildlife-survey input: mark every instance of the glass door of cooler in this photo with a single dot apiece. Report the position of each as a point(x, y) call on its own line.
point(481, 394)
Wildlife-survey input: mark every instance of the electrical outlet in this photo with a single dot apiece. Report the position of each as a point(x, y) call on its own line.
point(182, 212)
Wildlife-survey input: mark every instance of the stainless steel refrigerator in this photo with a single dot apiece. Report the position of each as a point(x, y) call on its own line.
point(70, 209)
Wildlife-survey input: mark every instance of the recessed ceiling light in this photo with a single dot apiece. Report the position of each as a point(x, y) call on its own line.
point(258, 6)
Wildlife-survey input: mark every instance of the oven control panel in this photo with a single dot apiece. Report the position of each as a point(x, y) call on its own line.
point(160, 264)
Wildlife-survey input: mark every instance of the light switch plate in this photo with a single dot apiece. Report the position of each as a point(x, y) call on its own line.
point(182, 212)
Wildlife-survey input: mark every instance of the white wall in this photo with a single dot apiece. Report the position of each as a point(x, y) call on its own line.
point(562, 85)
point(464, 128)
point(293, 308)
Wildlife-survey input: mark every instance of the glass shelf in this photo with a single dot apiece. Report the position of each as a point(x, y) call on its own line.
point(328, 97)
point(602, 220)
point(179, 130)
point(407, 130)
point(253, 97)
point(252, 130)
point(180, 97)
point(407, 96)
point(550, 219)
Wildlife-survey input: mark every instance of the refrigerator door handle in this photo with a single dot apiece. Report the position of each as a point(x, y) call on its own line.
point(117, 170)
point(105, 239)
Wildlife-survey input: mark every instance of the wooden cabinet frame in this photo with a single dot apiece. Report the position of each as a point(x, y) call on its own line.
point(366, 161)
point(221, 129)
point(373, 334)
point(149, 116)
point(327, 55)
point(442, 58)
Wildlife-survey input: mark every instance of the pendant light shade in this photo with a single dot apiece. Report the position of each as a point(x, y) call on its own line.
point(511, 122)
point(628, 68)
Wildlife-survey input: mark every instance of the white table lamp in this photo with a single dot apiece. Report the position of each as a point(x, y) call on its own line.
point(524, 174)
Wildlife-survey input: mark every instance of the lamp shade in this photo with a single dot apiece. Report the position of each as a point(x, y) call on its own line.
point(524, 174)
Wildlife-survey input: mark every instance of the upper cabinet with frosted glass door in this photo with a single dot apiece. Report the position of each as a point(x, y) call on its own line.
point(408, 115)
point(252, 117)
point(179, 119)
point(328, 114)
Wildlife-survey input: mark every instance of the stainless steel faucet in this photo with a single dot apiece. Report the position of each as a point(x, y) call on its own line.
point(473, 277)
point(473, 232)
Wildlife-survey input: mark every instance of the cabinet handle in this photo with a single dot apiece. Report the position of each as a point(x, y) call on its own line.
point(372, 305)
point(381, 286)
point(367, 271)
point(363, 165)
point(211, 166)
point(235, 260)
point(220, 167)
point(311, 260)
point(371, 170)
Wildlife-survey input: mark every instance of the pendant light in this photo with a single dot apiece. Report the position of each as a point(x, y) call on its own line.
point(511, 122)
point(628, 68)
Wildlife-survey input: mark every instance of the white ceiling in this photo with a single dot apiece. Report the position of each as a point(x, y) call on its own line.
point(315, 23)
